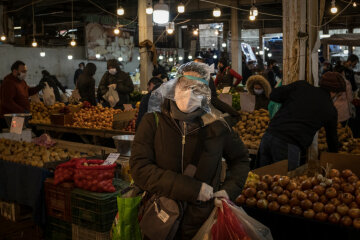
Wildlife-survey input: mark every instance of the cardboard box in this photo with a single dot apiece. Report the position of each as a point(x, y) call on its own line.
point(121, 120)
point(61, 119)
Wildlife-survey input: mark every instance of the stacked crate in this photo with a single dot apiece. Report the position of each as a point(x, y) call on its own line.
point(93, 213)
point(58, 208)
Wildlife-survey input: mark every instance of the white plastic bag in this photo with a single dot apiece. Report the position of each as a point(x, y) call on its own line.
point(204, 232)
point(75, 97)
point(48, 95)
point(64, 98)
point(112, 97)
point(35, 98)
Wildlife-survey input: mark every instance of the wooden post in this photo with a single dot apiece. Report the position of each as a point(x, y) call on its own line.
point(235, 42)
point(145, 33)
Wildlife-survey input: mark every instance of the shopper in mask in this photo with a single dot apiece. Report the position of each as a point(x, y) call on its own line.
point(14, 91)
point(119, 81)
point(86, 84)
point(257, 85)
point(78, 72)
point(226, 75)
point(177, 151)
point(54, 83)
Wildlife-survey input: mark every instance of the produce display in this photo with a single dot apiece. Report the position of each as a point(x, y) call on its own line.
point(41, 113)
point(34, 155)
point(252, 127)
point(334, 197)
point(44, 140)
point(352, 146)
point(348, 143)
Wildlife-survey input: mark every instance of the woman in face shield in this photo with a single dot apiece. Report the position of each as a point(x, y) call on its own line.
point(177, 151)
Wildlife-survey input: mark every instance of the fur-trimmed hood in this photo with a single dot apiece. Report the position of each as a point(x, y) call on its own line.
point(258, 79)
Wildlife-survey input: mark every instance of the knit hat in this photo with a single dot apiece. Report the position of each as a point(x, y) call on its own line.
point(333, 82)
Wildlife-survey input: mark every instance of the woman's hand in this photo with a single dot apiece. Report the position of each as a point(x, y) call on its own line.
point(206, 193)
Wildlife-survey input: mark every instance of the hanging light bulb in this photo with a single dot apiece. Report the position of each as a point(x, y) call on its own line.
point(269, 55)
point(333, 7)
point(189, 57)
point(42, 54)
point(161, 13)
point(216, 32)
point(171, 59)
point(70, 57)
point(161, 57)
point(3, 37)
point(252, 17)
point(116, 31)
point(138, 58)
point(170, 28)
point(181, 8)
point(216, 12)
point(120, 59)
point(215, 56)
point(73, 42)
point(120, 11)
point(181, 58)
point(149, 9)
point(196, 32)
point(261, 52)
point(254, 10)
point(97, 55)
point(34, 43)
point(223, 44)
point(354, 4)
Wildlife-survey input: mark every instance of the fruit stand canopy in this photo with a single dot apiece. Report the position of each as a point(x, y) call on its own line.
point(350, 39)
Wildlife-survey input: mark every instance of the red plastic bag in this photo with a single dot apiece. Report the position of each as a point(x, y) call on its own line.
point(228, 226)
point(92, 176)
point(65, 172)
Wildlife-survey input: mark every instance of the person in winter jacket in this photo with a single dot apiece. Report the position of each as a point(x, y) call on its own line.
point(86, 84)
point(118, 80)
point(54, 83)
point(177, 151)
point(270, 73)
point(350, 64)
point(78, 72)
point(257, 85)
point(226, 75)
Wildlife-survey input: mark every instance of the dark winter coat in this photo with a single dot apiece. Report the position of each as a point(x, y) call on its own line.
point(262, 100)
point(54, 83)
point(156, 163)
point(124, 86)
point(86, 84)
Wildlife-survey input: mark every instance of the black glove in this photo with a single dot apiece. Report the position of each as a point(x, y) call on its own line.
point(41, 86)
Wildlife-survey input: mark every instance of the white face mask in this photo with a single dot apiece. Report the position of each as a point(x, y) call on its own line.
point(112, 71)
point(22, 76)
point(258, 91)
point(186, 100)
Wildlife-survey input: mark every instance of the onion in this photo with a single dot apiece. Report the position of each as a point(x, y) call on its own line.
point(251, 202)
point(334, 218)
point(321, 216)
point(320, 190)
point(314, 197)
point(346, 173)
point(295, 193)
point(357, 192)
point(303, 178)
point(353, 205)
point(250, 185)
point(306, 204)
point(296, 210)
point(335, 201)
point(287, 193)
point(272, 197)
point(314, 181)
point(306, 184)
point(278, 190)
point(260, 194)
point(342, 209)
point(274, 184)
point(309, 213)
point(354, 212)
point(284, 181)
point(357, 185)
point(330, 192)
point(318, 207)
point(347, 198)
point(262, 186)
point(301, 195)
point(323, 199)
point(294, 202)
point(240, 199)
point(329, 208)
point(356, 223)
point(352, 179)
point(334, 173)
point(276, 178)
point(357, 199)
point(336, 186)
point(336, 179)
point(250, 192)
point(283, 199)
point(291, 186)
point(267, 179)
point(347, 187)
point(346, 221)
point(285, 209)
point(262, 203)
point(274, 206)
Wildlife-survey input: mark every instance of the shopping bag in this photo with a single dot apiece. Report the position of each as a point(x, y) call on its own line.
point(204, 232)
point(75, 97)
point(112, 97)
point(64, 98)
point(48, 95)
point(126, 225)
point(35, 98)
point(274, 107)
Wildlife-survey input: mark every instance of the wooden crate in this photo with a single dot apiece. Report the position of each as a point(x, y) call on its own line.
point(14, 212)
point(61, 119)
point(121, 120)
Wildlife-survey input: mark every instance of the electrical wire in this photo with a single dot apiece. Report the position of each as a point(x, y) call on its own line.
point(72, 14)
point(25, 6)
point(33, 19)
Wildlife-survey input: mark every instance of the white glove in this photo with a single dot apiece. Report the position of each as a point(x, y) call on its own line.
point(113, 86)
point(206, 193)
point(221, 194)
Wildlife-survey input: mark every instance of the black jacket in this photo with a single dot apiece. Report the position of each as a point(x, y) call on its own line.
point(77, 74)
point(86, 84)
point(54, 83)
point(350, 75)
point(155, 163)
point(124, 86)
point(305, 109)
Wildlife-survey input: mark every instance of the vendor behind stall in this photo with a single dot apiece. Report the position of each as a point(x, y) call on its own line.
point(226, 75)
point(257, 85)
point(117, 80)
point(305, 109)
point(86, 84)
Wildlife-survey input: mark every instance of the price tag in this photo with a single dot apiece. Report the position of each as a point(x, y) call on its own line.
point(17, 124)
point(111, 159)
point(128, 107)
point(226, 90)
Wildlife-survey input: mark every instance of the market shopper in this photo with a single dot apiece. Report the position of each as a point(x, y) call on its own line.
point(343, 100)
point(350, 64)
point(305, 109)
point(54, 83)
point(270, 73)
point(78, 72)
point(177, 151)
point(86, 84)
point(226, 75)
point(14, 91)
point(153, 84)
point(257, 85)
point(246, 71)
point(119, 81)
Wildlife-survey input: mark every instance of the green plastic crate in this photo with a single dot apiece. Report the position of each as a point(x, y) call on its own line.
point(57, 229)
point(81, 233)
